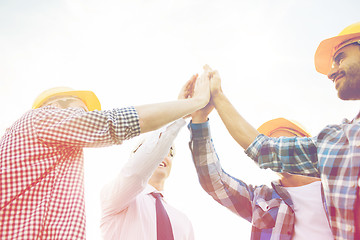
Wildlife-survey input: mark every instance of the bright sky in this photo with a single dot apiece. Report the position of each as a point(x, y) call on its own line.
point(136, 52)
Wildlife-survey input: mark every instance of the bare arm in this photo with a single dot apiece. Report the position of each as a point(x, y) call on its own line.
point(238, 127)
point(153, 116)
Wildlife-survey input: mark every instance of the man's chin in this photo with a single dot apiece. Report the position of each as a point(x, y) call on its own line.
point(348, 92)
point(348, 96)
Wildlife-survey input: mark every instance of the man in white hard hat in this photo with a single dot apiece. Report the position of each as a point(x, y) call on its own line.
point(293, 208)
point(333, 154)
point(130, 202)
point(41, 155)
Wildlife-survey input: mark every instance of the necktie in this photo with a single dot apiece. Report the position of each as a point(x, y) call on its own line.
point(163, 225)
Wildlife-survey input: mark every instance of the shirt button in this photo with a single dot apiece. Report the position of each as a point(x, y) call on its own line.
point(353, 184)
point(357, 143)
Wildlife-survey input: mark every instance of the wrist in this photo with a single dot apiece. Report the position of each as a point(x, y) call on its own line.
point(201, 101)
point(217, 97)
point(199, 119)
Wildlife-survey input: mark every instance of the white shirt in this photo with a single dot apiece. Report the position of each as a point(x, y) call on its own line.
point(128, 210)
point(310, 219)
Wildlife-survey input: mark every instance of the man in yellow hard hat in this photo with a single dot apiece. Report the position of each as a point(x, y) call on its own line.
point(293, 208)
point(41, 155)
point(334, 154)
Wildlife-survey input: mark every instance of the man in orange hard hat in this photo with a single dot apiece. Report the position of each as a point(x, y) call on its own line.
point(334, 154)
point(338, 58)
point(41, 155)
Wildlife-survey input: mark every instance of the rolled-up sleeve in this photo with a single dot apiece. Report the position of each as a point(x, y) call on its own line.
point(78, 128)
point(296, 155)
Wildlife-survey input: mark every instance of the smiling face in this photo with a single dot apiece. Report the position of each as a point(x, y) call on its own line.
point(163, 170)
point(345, 72)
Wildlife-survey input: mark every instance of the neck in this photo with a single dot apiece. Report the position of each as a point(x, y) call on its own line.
point(158, 185)
point(289, 180)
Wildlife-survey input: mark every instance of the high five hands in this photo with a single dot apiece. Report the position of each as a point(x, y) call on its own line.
point(205, 86)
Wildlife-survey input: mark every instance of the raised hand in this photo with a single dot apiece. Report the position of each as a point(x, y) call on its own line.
point(187, 90)
point(201, 115)
point(202, 86)
point(215, 83)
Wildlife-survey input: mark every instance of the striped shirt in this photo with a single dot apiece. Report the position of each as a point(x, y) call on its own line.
point(41, 169)
point(334, 154)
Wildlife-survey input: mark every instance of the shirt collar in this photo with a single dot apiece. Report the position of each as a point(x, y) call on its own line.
point(283, 193)
point(149, 189)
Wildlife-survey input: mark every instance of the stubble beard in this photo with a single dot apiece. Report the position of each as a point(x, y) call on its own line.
point(350, 89)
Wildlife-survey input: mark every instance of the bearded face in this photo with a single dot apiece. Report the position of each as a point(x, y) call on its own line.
point(345, 72)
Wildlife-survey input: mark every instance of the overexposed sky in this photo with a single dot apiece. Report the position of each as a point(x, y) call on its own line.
point(136, 52)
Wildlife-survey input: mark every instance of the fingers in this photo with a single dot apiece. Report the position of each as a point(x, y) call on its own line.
point(207, 68)
point(208, 82)
point(215, 83)
point(188, 89)
point(202, 87)
point(191, 86)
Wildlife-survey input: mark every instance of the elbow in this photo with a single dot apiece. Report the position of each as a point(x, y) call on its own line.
point(142, 126)
point(145, 126)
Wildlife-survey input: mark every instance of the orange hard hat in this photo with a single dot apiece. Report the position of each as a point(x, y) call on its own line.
point(281, 124)
point(88, 97)
point(328, 47)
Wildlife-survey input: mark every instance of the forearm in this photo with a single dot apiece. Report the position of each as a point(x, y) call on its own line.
point(153, 116)
point(238, 127)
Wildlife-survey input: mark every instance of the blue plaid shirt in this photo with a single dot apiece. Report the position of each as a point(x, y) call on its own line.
point(270, 210)
point(334, 154)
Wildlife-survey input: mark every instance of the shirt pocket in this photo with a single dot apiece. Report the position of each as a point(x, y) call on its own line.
point(265, 213)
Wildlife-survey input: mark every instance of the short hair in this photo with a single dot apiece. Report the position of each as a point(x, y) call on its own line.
point(355, 43)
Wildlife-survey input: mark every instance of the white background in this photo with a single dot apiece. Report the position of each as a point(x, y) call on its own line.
point(138, 52)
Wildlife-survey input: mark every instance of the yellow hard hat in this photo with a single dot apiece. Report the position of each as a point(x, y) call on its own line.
point(281, 124)
point(328, 47)
point(88, 97)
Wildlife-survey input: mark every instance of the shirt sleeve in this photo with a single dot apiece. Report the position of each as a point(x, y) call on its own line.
point(230, 192)
point(74, 127)
point(134, 176)
point(296, 155)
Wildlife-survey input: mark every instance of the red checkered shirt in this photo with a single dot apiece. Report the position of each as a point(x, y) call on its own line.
point(41, 168)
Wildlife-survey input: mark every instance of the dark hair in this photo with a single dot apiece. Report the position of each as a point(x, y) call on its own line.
point(357, 44)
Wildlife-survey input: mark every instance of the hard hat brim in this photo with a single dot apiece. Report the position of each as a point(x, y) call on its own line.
point(326, 50)
point(273, 125)
point(88, 97)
